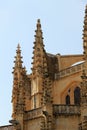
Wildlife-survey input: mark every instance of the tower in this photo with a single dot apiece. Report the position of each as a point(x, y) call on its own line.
point(20, 98)
point(39, 68)
point(41, 83)
point(84, 78)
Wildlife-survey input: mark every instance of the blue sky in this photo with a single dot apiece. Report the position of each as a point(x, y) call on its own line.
point(62, 25)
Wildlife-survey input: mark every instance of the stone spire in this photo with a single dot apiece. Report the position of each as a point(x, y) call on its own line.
point(18, 94)
point(85, 35)
point(84, 77)
point(18, 58)
point(84, 74)
point(40, 72)
point(21, 91)
point(39, 58)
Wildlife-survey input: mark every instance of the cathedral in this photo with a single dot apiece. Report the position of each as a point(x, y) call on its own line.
point(54, 95)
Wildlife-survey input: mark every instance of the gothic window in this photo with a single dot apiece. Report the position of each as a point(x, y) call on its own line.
point(77, 96)
point(67, 100)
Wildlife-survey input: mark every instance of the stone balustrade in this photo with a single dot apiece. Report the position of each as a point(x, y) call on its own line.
point(69, 71)
point(35, 113)
point(66, 110)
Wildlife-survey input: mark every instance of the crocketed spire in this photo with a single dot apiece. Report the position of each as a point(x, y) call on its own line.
point(19, 77)
point(18, 58)
point(85, 35)
point(39, 58)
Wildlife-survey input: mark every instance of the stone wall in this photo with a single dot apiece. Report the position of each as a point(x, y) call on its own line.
point(66, 61)
point(67, 123)
point(34, 124)
point(64, 86)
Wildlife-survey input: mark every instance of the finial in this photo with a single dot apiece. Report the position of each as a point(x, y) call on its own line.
point(38, 20)
point(18, 46)
point(38, 23)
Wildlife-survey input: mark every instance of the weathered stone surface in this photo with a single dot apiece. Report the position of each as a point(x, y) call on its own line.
point(54, 95)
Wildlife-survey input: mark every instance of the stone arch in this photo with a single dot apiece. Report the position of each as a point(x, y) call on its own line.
point(69, 90)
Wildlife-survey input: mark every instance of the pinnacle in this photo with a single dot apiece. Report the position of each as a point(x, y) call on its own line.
point(85, 35)
point(86, 9)
point(85, 18)
point(38, 20)
point(18, 57)
point(18, 46)
point(39, 33)
point(18, 51)
point(38, 24)
point(39, 51)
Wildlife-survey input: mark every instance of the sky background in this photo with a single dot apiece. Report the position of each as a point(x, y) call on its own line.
point(62, 25)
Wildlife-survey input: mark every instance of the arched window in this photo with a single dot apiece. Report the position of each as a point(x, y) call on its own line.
point(67, 100)
point(77, 96)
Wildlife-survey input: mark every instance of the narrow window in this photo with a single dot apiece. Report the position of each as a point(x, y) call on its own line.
point(67, 100)
point(77, 96)
point(34, 101)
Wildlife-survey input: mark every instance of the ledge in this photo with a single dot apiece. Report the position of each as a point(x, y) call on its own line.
point(59, 110)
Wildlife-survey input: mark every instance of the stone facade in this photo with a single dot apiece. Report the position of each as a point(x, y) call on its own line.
point(54, 95)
